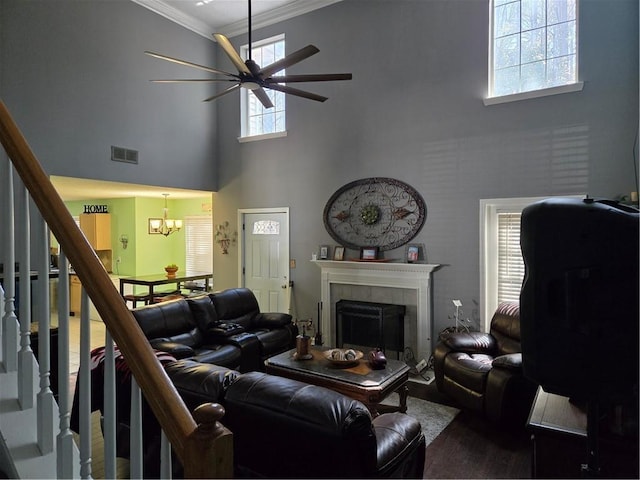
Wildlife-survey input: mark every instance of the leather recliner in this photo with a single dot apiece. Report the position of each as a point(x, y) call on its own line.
point(283, 428)
point(483, 371)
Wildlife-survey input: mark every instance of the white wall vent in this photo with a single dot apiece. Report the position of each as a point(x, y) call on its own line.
point(121, 154)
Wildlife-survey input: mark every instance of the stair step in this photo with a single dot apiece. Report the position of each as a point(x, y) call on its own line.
point(18, 428)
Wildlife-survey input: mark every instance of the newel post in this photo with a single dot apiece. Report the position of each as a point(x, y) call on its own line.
point(208, 450)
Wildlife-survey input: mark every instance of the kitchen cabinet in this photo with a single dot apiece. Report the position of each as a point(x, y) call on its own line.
point(75, 293)
point(97, 229)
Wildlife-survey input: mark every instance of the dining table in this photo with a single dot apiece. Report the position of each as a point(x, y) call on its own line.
point(157, 279)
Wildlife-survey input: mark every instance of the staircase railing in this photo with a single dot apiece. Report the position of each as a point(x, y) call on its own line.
point(203, 445)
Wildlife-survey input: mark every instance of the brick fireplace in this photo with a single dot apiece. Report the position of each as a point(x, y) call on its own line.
point(407, 284)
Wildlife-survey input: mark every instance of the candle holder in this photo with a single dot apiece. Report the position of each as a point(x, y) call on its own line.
point(303, 341)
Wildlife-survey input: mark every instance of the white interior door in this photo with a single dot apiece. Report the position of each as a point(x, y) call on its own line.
point(265, 257)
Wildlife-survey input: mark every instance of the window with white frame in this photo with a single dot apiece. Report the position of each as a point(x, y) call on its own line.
point(199, 244)
point(533, 48)
point(256, 120)
point(501, 264)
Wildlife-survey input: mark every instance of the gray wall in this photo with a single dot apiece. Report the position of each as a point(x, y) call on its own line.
point(74, 75)
point(76, 80)
point(414, 112)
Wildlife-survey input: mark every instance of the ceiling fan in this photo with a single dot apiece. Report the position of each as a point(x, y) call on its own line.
point(252, 77)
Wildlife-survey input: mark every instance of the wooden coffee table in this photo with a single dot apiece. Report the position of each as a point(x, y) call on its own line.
point(359, 381)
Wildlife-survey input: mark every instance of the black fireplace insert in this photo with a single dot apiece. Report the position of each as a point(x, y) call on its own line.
point(370, 324)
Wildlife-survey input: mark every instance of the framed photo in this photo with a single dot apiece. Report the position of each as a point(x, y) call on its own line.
point(338, 253)
point(368, 253)
point(415, 253)
point(323, 252)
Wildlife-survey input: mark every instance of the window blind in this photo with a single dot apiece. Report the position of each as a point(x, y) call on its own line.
point(199, 244)
point(510, 263)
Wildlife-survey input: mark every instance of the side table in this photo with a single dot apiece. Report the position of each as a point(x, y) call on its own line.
point(559, 440)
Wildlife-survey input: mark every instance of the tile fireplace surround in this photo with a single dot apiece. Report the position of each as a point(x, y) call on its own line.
point(399, 283)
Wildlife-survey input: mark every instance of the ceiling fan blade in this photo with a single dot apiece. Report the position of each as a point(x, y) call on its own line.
point(296, 92)
point(289, 60)
point(188, 80)
point(189, 64)
point(232, 88)
point(231, 53)
point(322, 77)
point(263, 97)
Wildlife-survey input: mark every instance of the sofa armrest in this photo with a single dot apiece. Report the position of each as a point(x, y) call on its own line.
point(271, 320)
point(199, 383)
point(178, 350)
point(511, 361)
point(470, 342)
point(249, 346)
point(400, 444)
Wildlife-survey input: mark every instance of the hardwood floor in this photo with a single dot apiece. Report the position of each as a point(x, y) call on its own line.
point(472, 447)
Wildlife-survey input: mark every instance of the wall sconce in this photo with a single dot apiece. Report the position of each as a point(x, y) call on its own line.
point(124, 240)
point(224, 238)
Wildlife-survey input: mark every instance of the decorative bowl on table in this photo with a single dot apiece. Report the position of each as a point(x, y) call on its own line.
point(171, 270)
point(343, 356)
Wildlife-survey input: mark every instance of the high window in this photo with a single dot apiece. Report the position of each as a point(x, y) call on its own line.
point(257, 121)
point(533, 49)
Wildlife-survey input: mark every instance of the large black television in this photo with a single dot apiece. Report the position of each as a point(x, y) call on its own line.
point(579, 311)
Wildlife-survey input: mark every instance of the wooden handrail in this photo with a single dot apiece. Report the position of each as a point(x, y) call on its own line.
point(160, 393)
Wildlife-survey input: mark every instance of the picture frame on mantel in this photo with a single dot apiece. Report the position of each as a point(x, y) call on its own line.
point(369, 253)
point(415, 253)
point(323, 252)
point(338, 253)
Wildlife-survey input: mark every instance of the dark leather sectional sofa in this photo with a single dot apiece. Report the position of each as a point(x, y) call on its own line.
point(281, 428)
point(224, 328)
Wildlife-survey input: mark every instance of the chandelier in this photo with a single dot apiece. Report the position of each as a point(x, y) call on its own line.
point(165, 225)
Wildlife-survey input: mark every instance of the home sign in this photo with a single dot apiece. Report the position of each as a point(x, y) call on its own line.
point(96, 209)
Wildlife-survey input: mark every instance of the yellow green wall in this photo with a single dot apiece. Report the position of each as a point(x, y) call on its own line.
point(145, 254)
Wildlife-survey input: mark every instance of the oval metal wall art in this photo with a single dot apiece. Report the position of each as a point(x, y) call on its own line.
point(375, 212)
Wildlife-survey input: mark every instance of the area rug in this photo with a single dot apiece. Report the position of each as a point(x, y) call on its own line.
point(433, 417)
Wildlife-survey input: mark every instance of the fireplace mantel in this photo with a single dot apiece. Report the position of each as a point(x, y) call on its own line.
point(412, 276)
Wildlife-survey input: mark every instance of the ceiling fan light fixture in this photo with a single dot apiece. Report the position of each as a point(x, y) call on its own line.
point(250, 85)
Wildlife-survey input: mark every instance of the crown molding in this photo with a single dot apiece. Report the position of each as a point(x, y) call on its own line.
point(285, 12)
point(176, 16)
point(290, 10)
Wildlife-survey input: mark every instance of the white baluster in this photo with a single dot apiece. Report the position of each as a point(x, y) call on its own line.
point(84, 377)
point(9, 320)
point(135, 441)
point(166, 468)
point(25, 355)
point(46, 402)
point(65, 466)
point(109, 431)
